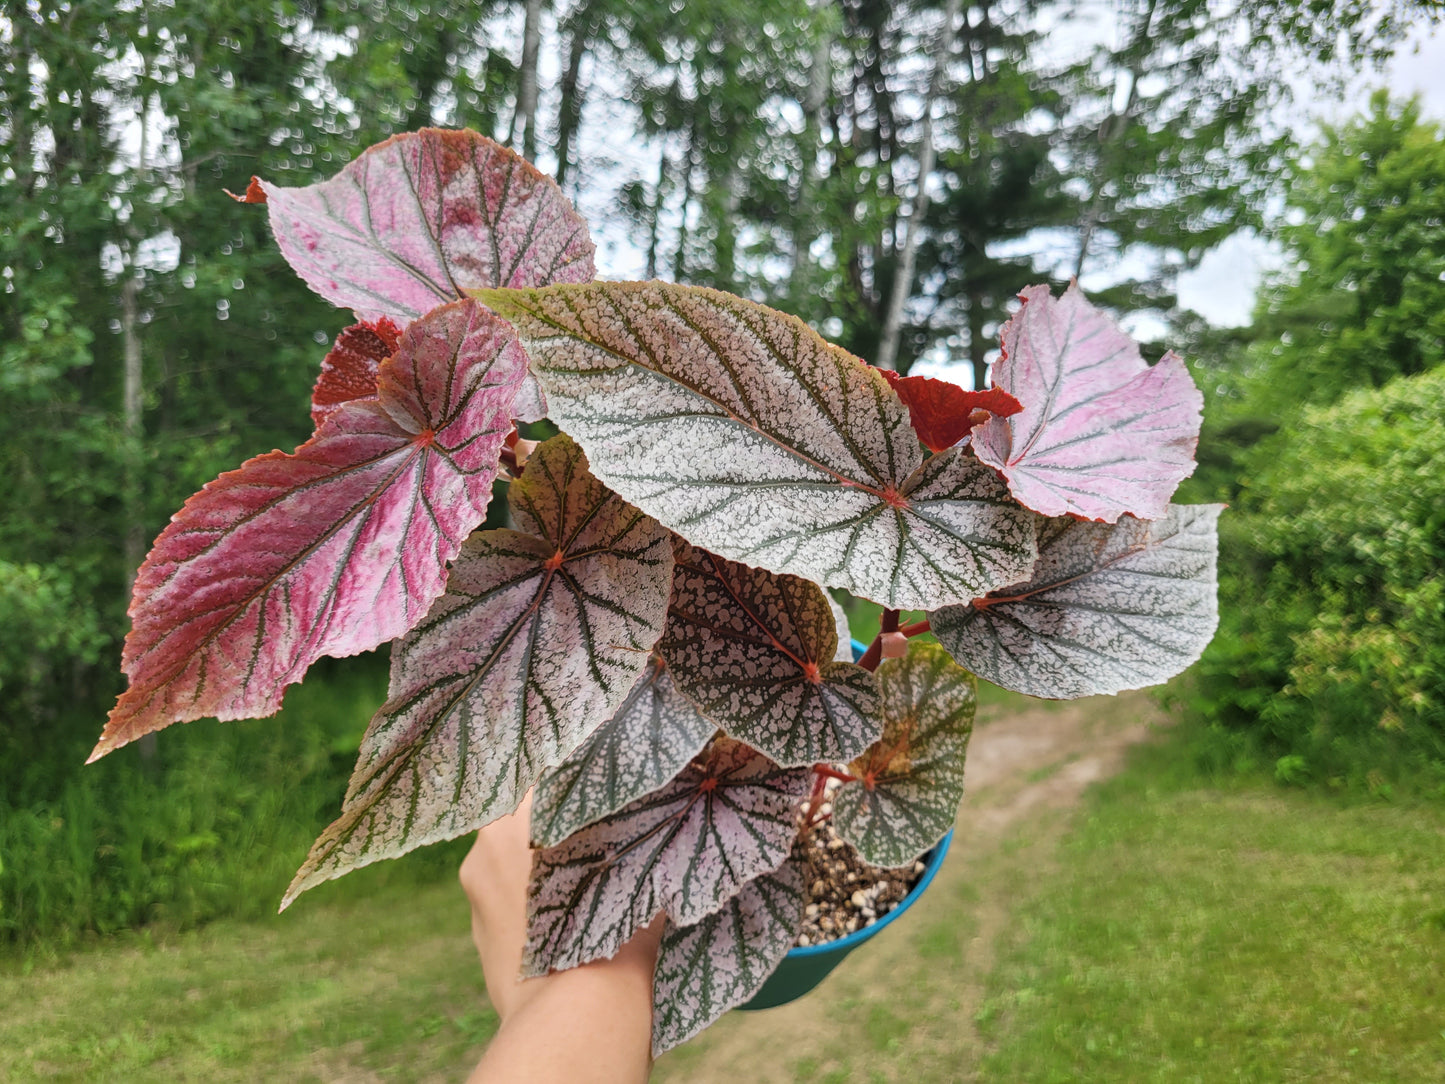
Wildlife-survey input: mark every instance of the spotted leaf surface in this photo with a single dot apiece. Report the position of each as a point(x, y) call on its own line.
point(755, 651)
point(686, 849)
point(742, 430)
point(1108, 608)
point(349, 371)
point(942, 413)
point(648, 740)
point(844, 651)
point(911, 781)
point(1101, 432)
point(715, 965)
point(419, 219)
point(540, 636)
point(330, 550)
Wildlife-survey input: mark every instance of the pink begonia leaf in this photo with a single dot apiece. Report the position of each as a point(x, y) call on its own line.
point(715, 965)
point(648, 740)
point(755, 652)
point(744, 431)
point(349, 371)
point(1101, 433)
point(686, 848)
point(330, 550)
point(909, 784)
point(1109, 607)
point(943, 414)
point(421, 218)
point(541, 635)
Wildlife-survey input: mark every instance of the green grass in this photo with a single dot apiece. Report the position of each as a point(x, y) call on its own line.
point(359, 983)
point(1239, 934)
point(1182, 931)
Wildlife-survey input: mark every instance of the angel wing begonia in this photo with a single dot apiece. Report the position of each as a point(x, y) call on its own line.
point(329, 550)
point(1101, 432)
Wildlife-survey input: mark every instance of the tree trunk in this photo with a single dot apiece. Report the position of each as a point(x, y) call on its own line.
point(1112, 127)
point(977, 345)
point(887, 356)
point(659, 193)
point(524, 120)
point(569, 110)
point(804, 223)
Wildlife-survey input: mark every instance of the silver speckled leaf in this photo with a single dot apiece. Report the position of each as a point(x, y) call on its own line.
point(844, 652)
point(717, 964)
point(755, 652)
point(746, 433)
point(686, 849)
point(1109, 607)
point(649, 739)
point(542, 632)
point(911, 781)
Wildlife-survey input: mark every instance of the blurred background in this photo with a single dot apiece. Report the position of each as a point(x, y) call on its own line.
point(1258, 185)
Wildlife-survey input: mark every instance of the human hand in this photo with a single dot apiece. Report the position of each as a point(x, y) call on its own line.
point(606, 1005)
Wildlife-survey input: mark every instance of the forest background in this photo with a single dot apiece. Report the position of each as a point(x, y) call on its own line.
point(891, 171)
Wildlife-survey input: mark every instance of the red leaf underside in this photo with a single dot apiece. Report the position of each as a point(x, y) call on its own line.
point(943, 414)
point(330, 550)
point(349, 370)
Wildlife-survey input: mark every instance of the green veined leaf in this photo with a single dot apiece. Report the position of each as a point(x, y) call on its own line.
point(649, 739)
point(746, 433)
point(542, 632)
point(686, 849)
point(717, 964)
point(1109, 607)
point(911, 781)
point(755, 652)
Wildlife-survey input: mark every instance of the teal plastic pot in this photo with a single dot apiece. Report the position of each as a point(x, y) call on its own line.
point(803, 968)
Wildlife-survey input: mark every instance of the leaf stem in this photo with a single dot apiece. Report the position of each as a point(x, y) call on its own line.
point(918, 628)
point(832, 773)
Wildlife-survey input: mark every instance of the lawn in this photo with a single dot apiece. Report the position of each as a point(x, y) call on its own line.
point(1244, 934)
point(1165, 929)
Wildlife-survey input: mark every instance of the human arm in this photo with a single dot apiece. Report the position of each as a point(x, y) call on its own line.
point(589, 1025)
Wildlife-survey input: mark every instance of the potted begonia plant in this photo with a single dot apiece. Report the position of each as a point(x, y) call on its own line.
point(650, 644)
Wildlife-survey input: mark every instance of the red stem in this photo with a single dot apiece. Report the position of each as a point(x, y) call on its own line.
point(918, 628)
point(831, 773)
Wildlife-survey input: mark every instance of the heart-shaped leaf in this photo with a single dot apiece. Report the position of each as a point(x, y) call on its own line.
point(331, 550)
point(686, 849)
point(746, 433)
point(910, 783)
point(1101, 432)
point(649, 739)
point(755, 651)
point(717, 964)
point(423, 217)
point(942, 413)
point(1108, 608)
point(542, 632)
point(349, 371)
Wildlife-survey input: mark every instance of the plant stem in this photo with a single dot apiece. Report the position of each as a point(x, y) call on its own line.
point(918, 628)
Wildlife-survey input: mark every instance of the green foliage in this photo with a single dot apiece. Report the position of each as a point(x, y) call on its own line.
point(1364, 299)
point(1335, 642)
point(214, 826)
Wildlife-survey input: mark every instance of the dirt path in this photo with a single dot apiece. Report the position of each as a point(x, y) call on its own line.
point(904, 1006)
